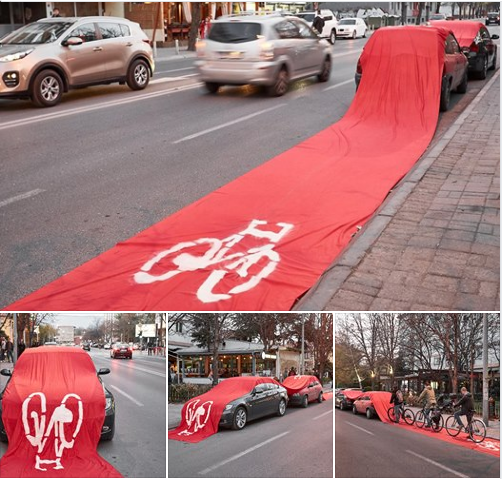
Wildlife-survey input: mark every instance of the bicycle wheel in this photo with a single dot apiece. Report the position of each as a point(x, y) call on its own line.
point(409, 417)
point(478, 431)
point(420, 419)
point(391, 414)
point(452, 428)
point(437, 426)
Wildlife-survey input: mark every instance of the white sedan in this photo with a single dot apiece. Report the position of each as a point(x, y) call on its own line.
point(351, 28)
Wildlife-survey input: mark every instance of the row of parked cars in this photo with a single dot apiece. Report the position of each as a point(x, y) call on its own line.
point(355, 400)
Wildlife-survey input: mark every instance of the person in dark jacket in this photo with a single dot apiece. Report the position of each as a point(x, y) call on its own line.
point(467, 407)
point(318, 23)
point(397, 399)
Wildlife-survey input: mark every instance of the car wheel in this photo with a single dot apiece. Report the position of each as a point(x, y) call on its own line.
point(445, 95)
point(212, 87)
point(364, 34)
point(319, 398)
point(240, 418)
point(138, 75)
point(332, 37)
point(494, 62)
point(47, 89)
point(482, 74)
point(462, 88)
point(369, 414)
point(354, 34)
point(281, 83)
point(326, 70)
point(305, 401)
point(281, 410)
point(354, 410)
point(108, 436)
point(341, 406)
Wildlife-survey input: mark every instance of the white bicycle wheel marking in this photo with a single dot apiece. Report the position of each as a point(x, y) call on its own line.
point(218, 252)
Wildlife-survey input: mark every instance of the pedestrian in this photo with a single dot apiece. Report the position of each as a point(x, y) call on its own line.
point(397, 399)
point(292, 371)
point(55, 13)
point(20, 347)
point(318, 23)
point(202, 28)
point(207, 26)
point(430, 401)
point(285, 373)
point(3, 345)
point(9, 348)
point(467, 403)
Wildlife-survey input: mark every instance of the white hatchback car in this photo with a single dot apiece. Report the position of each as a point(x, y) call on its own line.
point(351, 28)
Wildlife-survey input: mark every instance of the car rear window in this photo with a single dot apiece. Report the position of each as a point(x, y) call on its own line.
point(347, 22)
point(308, 17)
point(238, 32)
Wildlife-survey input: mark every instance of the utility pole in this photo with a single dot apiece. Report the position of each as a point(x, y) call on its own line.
point(14, 329)
point(303, 347)
point(486, 414)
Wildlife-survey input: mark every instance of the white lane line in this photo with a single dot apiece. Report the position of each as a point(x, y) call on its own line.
point(339, 84)
point(338, 55)
point(361, 428)
point(430, 461)
point(176, 70)
point(323, 414)
point(127, 395)
point(23, 196)
point(171, 79)
point(85, 109)
point(243, 453)
point(230, 123)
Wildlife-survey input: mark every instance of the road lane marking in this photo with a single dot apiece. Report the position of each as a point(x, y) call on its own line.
point(338, 84)
point(171, 79)
point(176, 70)
point(338, 55)
point(230, 123)
point(127, 395)
point(23, 196)
point(323, 414)
point(243, 453)
point(139, 368)
point(85, 109)
point(436, 464)
point(361, 428)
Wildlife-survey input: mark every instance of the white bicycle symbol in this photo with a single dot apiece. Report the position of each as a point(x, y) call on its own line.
point(219, 253)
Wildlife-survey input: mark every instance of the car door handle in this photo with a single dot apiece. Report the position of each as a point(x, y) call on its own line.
point(129, 44)
point(97, 49)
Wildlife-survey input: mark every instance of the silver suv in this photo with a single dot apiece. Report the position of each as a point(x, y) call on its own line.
point(46, 58)
point(269, 50)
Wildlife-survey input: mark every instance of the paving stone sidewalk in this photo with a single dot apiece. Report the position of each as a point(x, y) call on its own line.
point(435, 243)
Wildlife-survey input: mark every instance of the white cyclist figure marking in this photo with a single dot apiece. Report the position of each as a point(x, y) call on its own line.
point(219, 252)
point(61, 416)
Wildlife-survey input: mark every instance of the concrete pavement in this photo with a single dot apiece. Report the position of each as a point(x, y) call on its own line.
point(435, 242)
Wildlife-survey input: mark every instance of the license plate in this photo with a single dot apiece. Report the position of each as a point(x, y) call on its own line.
point(230, 55)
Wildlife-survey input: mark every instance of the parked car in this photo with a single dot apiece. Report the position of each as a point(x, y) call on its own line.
point(345, 398)
point(50, 343)
point(364, 405)
point(455, 69)
point(330, 23)
point(351, 28)
point(86, 347)
point(44, 59)
point(476, 43)
point(437, 16)
point(107, 346)
point(270, 51)
point(493, 17)
point(370, 402)
point(121, 350)
point(303, 389)
point(53, 357)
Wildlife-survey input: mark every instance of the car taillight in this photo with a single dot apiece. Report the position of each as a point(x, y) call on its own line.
point(267, 51)
point(129, 349)
point(359, 68)
point(200, 48)
point(474, 47)
point(146, 40)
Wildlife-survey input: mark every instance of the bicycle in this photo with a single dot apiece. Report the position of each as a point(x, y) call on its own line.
point(475, 428)
point(406, 415)
point(435, 418)
point(216, 257)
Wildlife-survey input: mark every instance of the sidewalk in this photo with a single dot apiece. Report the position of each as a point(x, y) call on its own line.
point(170, 53)
point(435, 243)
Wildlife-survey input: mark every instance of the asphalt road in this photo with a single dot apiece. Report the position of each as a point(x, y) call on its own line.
point(108, 162)
point(299, 444)
point(139, 387)
point(370, 448)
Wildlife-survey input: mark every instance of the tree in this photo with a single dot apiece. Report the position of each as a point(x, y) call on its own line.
point(346, 359)
point(388, 328)
point(319, 334)
point(46, 332)
point(194, 26)
point(420, 10)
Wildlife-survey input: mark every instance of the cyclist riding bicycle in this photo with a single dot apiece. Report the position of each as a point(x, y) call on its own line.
point(397, 399)
point(467, 403)
point(430, 401)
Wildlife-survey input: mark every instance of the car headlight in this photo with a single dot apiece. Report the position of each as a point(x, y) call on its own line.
point(109, 403)
point(15, 56)
point(228, 407)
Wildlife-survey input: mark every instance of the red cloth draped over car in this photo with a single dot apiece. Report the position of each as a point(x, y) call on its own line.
point(352, 395)
point(465, 31)
point(295, 384)
point(53, 410)
point(261, 241)
point(201, 415)
point(381, 403)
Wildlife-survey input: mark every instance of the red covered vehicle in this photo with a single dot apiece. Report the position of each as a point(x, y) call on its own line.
point(372, 403)
point(303, 389)
point(344, 399)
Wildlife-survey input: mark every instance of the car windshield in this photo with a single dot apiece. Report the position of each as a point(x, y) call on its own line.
point(308, 17)
point(347, 22)
point(238, 32)
point(36, 33)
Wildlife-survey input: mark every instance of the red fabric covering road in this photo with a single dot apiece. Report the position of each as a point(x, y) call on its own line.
point(488, 446)
point(295, 384)
point(381, 403)
point(261, 241)
point(464, 30)
point(201, 415)
point(53, 411)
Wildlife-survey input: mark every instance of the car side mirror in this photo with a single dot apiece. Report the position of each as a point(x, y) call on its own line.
point(495, 37)
point(466, 50)
point(72, 41)
point(103, 371)
point(6, 372)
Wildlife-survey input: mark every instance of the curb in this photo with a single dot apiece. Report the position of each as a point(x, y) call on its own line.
point(330, 281)
point(181, 56)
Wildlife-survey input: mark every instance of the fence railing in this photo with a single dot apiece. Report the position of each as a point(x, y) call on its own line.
point(179, 393)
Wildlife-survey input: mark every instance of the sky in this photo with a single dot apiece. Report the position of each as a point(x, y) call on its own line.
point(79, 320)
